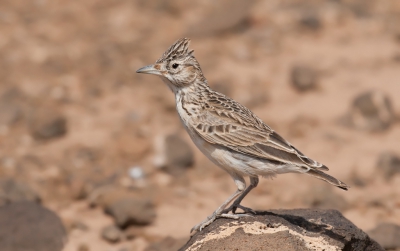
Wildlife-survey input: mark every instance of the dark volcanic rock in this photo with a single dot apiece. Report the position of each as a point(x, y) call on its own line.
point(387, 234)
point(372, 111)
point(388, 165)
point(304, 78)
point(310, 21)
point(14, 191)
point(112, 234)
point(47, 124)
point(131, 211)
point(299, 229)
point(126, 206)
point(29, 226)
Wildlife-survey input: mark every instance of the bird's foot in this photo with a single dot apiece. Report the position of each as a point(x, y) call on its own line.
point(234, 207)
point(203, 224)
point(210, 219)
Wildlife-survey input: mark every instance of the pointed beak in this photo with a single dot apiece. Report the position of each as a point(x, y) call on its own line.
point(149, 69)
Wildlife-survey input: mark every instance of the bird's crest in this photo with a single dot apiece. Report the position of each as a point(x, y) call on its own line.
point(179, 49)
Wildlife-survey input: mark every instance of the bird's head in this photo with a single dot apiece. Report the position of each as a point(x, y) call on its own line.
point(177, 66)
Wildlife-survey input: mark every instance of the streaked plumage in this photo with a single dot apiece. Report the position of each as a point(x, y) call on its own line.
point(228, 133)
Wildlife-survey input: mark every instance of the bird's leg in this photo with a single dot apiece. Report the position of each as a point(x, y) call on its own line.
point(236, 204)
point(220, 212)
point(217, 214)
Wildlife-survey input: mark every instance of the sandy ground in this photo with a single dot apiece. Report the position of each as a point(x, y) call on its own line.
point(78, 59)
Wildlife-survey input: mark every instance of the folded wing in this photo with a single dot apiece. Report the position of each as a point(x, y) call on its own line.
point(232, 125)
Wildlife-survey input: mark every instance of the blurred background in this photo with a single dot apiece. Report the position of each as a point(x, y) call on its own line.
point(103, 147)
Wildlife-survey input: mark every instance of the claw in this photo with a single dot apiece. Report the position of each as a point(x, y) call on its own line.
point(203, 224)
point(193, 230)
point(212, 218)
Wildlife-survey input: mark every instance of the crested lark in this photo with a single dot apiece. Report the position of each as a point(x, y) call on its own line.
point(228, 133)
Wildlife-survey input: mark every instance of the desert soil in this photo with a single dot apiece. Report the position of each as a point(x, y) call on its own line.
point(74, 62)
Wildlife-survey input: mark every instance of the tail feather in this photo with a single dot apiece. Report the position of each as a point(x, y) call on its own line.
point(325, 177)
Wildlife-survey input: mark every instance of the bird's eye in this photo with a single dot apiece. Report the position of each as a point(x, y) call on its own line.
point(175, 65)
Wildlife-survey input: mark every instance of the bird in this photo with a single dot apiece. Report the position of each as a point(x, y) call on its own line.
point(228, 133)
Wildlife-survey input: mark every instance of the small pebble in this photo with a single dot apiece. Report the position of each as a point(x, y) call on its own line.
point(136, 173)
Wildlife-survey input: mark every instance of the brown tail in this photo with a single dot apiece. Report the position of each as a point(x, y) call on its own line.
point(331, 180)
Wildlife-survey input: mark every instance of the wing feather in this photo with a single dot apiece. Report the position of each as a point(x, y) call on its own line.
point(227, 123)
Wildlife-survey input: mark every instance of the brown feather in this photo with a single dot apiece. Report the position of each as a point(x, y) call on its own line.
point(325, 177)
point(247, 133)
